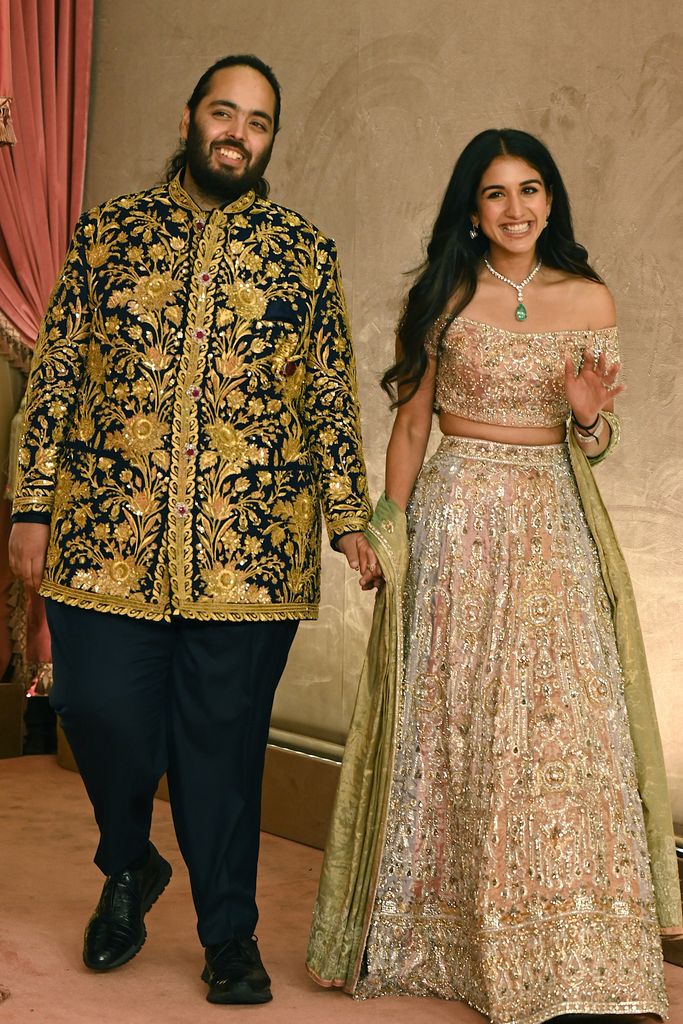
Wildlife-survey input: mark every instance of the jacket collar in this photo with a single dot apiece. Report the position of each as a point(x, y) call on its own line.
point(184, 199)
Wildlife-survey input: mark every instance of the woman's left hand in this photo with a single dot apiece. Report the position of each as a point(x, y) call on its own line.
point(593, 387)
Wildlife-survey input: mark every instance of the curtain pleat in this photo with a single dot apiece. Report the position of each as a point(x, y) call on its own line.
point(41, 177)
point(45, 55)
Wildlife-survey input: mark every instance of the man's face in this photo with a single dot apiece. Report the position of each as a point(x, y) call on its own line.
point(229, 135)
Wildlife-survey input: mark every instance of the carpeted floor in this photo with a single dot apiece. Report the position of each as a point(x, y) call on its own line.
point(49, 886)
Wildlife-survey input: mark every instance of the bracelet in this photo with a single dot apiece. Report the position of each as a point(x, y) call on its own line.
point(591, 435)
point(583, 426)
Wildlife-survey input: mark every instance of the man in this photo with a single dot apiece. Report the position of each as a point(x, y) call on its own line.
point(191, 403)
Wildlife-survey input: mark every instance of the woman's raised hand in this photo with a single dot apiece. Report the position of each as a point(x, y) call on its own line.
point(593, 387)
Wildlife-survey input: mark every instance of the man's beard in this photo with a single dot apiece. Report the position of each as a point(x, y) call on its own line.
point(223, 183)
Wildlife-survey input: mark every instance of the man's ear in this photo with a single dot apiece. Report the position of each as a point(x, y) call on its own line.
point(184, 126)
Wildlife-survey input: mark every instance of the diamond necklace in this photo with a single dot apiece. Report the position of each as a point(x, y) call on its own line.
point(520, 312)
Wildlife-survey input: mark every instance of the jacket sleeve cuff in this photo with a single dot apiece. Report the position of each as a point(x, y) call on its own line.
point(338, 528)
point(31, 517)
point(32, 505)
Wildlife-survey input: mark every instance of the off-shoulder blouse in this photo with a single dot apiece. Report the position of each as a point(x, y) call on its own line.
point(508, 378)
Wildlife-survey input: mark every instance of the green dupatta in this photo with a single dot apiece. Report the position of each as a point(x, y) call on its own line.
point(341, 917)
point(640, 705)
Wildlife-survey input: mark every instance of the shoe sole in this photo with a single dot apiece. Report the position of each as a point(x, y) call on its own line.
point(240, 995)
point(162, 881)
point(245, 995)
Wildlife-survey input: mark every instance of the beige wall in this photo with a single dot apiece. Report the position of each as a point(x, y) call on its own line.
point(379, 98)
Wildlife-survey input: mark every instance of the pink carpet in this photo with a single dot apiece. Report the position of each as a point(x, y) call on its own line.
point(48, 887)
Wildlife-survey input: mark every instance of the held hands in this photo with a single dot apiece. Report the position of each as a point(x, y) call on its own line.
point(361, 558)
point(593, 387)
point(27, 551)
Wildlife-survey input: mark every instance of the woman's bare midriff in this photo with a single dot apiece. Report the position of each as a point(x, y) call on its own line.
point(458, 425)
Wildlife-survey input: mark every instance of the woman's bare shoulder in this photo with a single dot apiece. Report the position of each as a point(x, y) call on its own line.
point(592, 300)
point(598, 303)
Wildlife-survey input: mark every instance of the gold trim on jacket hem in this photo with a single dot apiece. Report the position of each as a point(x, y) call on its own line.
point(213, 611)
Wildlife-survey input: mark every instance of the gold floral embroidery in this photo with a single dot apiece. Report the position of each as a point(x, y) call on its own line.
point(156, 358)
point(308, 277)
point(231, 585)
point(97, 254)
point(229, 443)
point(189, 425)
point(300, 513)
point(154, 291)
point(246, 299)
point(85, 428)
point(118, 576)
point(64, 489)
point(95, 364)
point(141, 434)
point(224, 317)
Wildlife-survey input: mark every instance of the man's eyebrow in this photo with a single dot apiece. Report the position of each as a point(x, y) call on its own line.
point(529, 181)
point(235, 106)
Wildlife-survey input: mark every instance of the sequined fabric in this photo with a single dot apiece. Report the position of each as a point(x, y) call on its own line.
point(492, 375)
point(515, 872)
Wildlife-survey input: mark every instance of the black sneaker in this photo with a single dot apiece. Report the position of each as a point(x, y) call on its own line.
point(235, 974)
point(116, 931)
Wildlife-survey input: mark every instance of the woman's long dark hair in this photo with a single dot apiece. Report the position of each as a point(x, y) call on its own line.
point(453, 258)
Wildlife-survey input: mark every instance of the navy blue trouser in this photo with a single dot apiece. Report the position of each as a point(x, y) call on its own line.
point(193, 699)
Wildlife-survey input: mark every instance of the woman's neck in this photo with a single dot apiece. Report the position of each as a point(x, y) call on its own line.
point(516, 266)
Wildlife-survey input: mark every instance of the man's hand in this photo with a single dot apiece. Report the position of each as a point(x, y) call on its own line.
point(361, 558)
point(27, 551)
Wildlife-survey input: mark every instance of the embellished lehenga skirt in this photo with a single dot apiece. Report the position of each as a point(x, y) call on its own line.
point(514, 870)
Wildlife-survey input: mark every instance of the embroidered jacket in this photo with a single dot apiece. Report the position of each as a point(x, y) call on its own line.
point(192, 402)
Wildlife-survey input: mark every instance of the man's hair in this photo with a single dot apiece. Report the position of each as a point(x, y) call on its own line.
point(242, 60)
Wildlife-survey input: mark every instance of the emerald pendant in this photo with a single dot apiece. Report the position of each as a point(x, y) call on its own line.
point(520, 312)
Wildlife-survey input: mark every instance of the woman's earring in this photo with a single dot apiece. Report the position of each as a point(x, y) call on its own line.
point(474, 231)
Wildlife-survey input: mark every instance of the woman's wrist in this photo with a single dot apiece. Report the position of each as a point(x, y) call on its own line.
point(587, 428)
point(588, 433)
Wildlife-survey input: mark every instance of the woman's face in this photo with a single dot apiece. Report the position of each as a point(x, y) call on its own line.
point(512, 205)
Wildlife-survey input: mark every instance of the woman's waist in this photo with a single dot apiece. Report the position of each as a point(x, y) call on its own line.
point(454, 425)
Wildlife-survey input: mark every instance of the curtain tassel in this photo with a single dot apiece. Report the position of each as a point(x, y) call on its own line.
point(7, 136)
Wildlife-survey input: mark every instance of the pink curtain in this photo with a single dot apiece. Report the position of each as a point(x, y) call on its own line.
point(41, 176)
point(45, 55)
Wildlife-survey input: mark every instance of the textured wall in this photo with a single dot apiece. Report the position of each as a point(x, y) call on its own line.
point(379, 98)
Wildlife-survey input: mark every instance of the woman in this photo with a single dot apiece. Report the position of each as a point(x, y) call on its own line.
point(489, 842)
